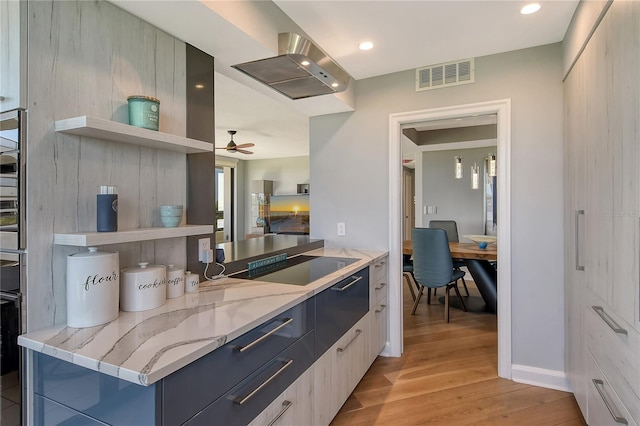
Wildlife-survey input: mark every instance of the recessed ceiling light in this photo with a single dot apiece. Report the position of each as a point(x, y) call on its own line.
point(199, 86)
point(530, 8)
point(305, 63)
point(365, 45)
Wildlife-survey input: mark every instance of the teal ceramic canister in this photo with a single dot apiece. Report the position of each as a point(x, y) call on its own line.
point(144, 111)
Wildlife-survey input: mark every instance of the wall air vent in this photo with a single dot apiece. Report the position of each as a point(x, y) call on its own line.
point(445, 75)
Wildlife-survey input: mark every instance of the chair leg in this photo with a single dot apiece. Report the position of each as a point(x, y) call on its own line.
point(446, 304)
point(455, 287)
point(407, 277)
point(415, 304)
point(464, 283)
point(429, 295)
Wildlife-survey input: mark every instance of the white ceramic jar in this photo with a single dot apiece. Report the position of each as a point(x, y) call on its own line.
point(191, 282)
point(143, 287)
point(93, 283)
point(175, 282)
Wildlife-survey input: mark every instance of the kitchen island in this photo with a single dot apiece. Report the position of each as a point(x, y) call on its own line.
point(143, 348)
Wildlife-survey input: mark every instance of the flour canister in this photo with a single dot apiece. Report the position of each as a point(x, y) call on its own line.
point(143, 287)
point(93, 284)
point(191, 282)
point(175, 282)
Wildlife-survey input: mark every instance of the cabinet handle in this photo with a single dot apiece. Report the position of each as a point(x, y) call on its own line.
point(355, 280)
point(381, 309)
point(600, 384)
point(285, 406)
point(382, 285)
point(358, 331)
point(610, 321)
point(577, 243)
point(286, 322)
point(241, 401)
point(380, 265)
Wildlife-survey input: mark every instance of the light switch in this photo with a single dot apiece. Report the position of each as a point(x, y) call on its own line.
point(342, 230)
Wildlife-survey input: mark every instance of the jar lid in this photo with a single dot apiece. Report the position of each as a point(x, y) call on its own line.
point(93, 252)
point(142, 267)
point(172, 268)
point(149, 98)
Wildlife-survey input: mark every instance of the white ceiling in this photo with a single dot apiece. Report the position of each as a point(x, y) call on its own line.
point(406, 34)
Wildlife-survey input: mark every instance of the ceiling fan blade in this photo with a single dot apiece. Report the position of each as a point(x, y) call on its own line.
point(221, 147)
point(245, 145)
point(244, 151)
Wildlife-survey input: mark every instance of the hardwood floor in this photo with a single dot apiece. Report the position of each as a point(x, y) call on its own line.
point(448, 376)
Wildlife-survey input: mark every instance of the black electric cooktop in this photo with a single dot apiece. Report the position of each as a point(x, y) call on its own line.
point(298, 270)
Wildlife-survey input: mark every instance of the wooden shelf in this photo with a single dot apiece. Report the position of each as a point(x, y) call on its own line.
point(87, 239)
point(113, 131)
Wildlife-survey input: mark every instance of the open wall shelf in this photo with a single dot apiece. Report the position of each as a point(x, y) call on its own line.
point(87, 239)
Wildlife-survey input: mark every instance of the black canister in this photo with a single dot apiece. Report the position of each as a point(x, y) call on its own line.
point(107, 208)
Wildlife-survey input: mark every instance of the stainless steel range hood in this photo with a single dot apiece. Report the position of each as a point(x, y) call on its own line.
point(300, 70)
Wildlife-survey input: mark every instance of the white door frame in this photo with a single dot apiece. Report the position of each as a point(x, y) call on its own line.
point(503, 110)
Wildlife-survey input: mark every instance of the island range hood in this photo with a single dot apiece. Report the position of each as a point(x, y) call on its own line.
point(301, 69)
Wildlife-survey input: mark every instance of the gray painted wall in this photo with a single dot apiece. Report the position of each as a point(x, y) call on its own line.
point(454, 198)
point(349, 166)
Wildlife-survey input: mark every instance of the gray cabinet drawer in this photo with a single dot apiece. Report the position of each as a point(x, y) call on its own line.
point(50, 413)
point(339, 307)
point(192, 388)
point(109, 399)
point(246, 400)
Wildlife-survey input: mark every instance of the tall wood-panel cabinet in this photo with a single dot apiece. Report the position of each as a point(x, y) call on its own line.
point(602, 220)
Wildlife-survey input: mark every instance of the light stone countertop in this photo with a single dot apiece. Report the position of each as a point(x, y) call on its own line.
point(144, 347)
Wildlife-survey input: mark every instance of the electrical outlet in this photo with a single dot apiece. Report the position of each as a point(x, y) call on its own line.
point(204, 244)
point(342, 229)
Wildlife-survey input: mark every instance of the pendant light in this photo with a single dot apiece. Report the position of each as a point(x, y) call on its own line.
point(458, 166)
point(475, 176)
point(492, 165)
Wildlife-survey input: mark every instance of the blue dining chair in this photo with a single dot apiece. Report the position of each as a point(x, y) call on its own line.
point(433, 267)
point(451, 227)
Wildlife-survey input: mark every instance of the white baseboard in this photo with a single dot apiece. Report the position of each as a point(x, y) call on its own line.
point(542, 377)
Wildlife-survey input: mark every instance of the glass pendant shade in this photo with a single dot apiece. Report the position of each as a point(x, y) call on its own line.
point(475, 176)
point(492, 165)
point(458, 167)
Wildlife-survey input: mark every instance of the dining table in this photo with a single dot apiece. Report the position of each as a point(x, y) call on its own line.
point(479, 262)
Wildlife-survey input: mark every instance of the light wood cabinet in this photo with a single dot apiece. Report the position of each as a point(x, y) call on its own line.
point(602, 219)
point(338, 371)
point(378, 312)
point(13, 54)
point(293, 407)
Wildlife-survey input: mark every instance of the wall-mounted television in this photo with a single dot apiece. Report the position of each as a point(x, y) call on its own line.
point(289, 214)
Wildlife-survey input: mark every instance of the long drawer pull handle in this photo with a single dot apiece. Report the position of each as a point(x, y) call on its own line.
point(286, 322)
point(610, 321)
point(358, 331)
point(598, 384)
point(265, 383)
point(382, 285)
point(577, 243)
point(381, 309)
point(285, 406)
point(355, 280)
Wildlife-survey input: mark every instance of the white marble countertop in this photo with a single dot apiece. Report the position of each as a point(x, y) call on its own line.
point(144, 347)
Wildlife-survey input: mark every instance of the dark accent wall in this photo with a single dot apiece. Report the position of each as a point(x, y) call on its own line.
point(200, 167)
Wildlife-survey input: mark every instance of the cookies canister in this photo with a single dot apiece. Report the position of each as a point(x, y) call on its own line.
point(143, 287)
point(175, 282)
point(93, 286)
point(144, 111)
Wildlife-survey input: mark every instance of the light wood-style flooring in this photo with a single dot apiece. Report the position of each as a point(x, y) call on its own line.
point(448, 376)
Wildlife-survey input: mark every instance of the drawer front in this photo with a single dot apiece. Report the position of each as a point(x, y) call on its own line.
point(379, 327)
point(47, 412)
point(107, 398)
point(615, 347)
point(339, 307)
point(248, 399)
point(192, 388)
point(379, 269)
point(379, 290)
point(604, 407)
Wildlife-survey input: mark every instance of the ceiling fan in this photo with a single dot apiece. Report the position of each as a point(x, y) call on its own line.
point(232, 147)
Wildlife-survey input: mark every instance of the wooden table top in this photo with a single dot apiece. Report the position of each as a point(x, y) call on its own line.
point(462, 250)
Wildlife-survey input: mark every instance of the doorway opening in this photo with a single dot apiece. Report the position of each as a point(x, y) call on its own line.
point(502, 109)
